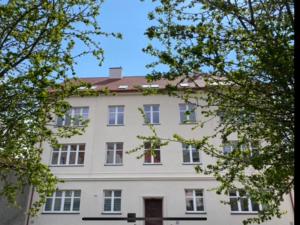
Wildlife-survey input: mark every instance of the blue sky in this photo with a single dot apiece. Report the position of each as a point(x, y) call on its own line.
point(128, 17)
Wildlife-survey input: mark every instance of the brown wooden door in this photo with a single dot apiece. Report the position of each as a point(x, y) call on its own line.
point(153, 208)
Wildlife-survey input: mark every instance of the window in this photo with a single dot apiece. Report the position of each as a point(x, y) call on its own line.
point(112, 201)
point(229, 147)
point(152, 156)
point(116, 115)
point(220, 114)
point(151, 114)
point(233, 145)
point(68, 154)
point(187, 113)
point(114, 154)
point(74, 117)
point(63, 201)
point(194, 200)
point(190, 154)
point(240, 202)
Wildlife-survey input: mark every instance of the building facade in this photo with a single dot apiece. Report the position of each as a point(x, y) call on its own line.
point(102, 180)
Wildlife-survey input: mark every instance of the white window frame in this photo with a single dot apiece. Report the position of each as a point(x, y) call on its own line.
point(232, 147)
point(188, 107)
point(68, 155)
point(71, 114)
point(116, 113)
point(194, 198)
point(114, 153)
point(238, 197)
point(152, 156)
point(63, 197)
point(190, 149)
point(112, 201)
point(151, 111)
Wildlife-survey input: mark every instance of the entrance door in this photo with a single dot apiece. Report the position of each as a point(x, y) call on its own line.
point(153, 208)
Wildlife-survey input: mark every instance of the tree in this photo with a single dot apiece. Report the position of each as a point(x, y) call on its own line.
point(244, 52)
point(37, 57)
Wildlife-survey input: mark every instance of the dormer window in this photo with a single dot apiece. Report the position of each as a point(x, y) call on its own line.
point(150, 86)
point(123, 87)
point(184, 84)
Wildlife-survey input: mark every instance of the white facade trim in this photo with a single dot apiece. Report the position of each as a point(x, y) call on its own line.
point(141, 178)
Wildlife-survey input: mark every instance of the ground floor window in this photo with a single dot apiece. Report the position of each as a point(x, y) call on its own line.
point(194, 200)
point(112, 201)
point(240, 202)
point(63, 201)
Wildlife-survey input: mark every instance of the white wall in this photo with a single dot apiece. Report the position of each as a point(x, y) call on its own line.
point(135, 179)
point(133, 193)
point(98, 133)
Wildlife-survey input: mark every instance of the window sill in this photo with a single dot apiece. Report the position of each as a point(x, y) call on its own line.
point(152, 164)
point(188, 123)
point(60, 213)
point(145, 124)
point(66, 165)
point(244, 213)
point(195, 212)
point(68, 126)
point(108, 164)
point(115, 125)
point(192, 164)
point(111, 213)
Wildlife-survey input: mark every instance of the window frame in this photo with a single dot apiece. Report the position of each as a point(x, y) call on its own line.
point(194, 198)
point(232, 144)
point(238, 198)
point(112, 201)
point(60, 151)
point(72, 115)
point(151, 111)
point(252, 147)
point(62, 203)
point(116, 113)
point(188, 107)
point(114, 163)
point(190, 150)
point(146, 150)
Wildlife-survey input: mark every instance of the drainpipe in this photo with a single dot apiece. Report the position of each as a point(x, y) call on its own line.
point(292, 201)
point(29, 205)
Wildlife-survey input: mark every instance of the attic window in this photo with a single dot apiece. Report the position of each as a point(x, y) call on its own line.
point(123, 86)
point(84, 88)
point(184, 84)
point(150, 85)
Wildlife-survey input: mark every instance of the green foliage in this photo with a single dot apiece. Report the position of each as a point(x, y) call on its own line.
point(37, 39)
point(247, 49)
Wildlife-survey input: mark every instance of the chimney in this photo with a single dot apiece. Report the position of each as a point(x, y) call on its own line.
point(115, 72)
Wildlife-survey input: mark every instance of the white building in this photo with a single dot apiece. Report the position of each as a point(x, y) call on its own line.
point(101, 180)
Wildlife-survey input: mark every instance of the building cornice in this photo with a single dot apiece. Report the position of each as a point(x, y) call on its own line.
point(135, 178)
